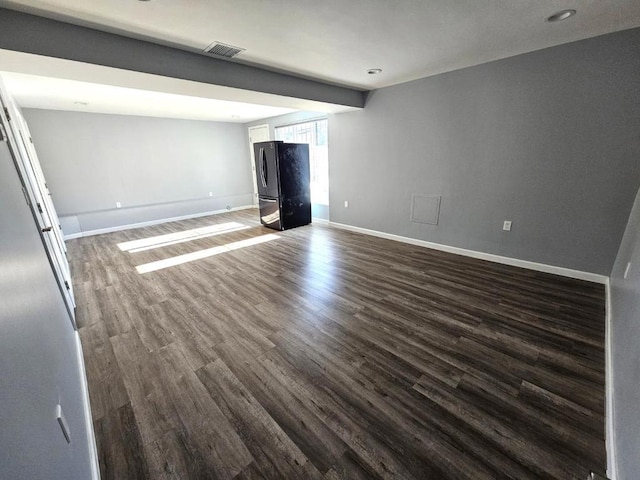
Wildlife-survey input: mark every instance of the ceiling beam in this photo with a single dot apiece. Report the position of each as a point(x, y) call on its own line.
point(24, 32)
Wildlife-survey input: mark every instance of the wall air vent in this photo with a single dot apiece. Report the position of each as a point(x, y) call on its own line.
point(223, 50)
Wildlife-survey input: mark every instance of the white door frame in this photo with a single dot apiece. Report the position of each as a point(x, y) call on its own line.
point(257, 134)
point(36, 192)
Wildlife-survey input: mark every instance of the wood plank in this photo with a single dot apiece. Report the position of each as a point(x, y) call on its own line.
point(274, 453)
point(120, 451)
point(106, 390)
point(320, 445)
point(330, 354)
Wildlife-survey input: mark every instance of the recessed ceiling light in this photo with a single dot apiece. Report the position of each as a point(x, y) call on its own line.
point(235, 116)
point(562, 15)
point(374, 71)
point(81, 103)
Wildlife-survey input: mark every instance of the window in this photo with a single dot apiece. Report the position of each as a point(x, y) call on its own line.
point(315, 134)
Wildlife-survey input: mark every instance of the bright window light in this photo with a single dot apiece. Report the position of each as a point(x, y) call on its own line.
point(149, 243)
point(209, 252)
point(315, 133)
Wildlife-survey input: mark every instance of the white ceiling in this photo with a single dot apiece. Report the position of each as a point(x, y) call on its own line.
point(37, 81)
point(31, 91)
point(330, 40)
point(339, 40)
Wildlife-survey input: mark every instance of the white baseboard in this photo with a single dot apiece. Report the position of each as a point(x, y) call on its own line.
point(515, 262)
point(612, 463)
point(91, 437)
point(129, 226)
point(71, 236)
point(321, 221)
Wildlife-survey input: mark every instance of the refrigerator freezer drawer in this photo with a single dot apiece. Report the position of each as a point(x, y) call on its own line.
point(295, 212)
point(270, 212)
point(267, 173)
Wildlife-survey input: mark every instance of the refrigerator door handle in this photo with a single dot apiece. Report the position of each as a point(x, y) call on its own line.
point(263, 168)
point(268, 200)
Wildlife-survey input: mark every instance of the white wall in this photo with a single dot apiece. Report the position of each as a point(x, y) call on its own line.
point(625, 339)
point(156, 168)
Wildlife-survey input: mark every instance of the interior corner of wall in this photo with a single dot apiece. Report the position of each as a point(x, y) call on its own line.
point(610, 441)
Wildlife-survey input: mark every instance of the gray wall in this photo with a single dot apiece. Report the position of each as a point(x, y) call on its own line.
point(625, 335)
point(548, 140)
point(317, 211)
point(156, 168)
point(39, 366)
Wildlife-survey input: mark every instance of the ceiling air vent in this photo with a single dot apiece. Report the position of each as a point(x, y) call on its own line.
point(223, 50)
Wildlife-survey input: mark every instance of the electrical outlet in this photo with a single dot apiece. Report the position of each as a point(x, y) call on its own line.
point(118, 205)
point(346, 204)
point(506, 225)
point(626, 270)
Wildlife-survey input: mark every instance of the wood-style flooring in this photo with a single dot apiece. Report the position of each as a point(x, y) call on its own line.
point(326, 354)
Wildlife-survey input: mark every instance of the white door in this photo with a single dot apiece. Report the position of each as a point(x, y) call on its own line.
point(256, 134)
point(36, 177)
point(25, 136)
point(38, 195)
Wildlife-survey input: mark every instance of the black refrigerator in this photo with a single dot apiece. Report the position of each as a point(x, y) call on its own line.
point(283, 176)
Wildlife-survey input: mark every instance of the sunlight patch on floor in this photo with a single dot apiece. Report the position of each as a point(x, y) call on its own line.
point(200, 254)
point(158, 241)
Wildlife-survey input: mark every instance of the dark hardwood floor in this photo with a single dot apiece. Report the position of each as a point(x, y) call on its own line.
point(322, 353)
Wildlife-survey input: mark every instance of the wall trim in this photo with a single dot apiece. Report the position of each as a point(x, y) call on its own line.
point(321, 221)
point(147, 205)
point(612, 462)
point(129, 226)
point(515, 262)
point(91, 436)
